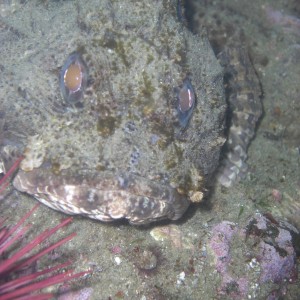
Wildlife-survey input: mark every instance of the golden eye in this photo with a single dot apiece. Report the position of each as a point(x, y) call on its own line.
point(185, 99)
point(186, 102)
point(73, 78)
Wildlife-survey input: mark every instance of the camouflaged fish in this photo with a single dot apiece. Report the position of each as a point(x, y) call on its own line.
point(242, 85)
point(120, 110)
point(244, 97)
point(121, 113)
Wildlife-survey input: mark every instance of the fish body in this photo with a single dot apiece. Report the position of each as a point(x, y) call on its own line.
point(97, 116)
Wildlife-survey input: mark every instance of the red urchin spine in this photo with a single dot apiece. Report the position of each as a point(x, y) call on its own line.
point(3, 181)
point(22, 287)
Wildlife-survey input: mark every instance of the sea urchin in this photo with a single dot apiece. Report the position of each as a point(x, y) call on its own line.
point(14, 285)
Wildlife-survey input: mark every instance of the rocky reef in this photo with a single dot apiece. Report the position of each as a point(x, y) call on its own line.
point(255, 258)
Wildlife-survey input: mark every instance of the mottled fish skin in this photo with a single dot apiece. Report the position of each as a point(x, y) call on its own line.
point(117, 149)
point(242, 85)
point(244, 99)
point(104, 197)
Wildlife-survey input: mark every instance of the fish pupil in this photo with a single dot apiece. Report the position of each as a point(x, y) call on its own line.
point(73, 78)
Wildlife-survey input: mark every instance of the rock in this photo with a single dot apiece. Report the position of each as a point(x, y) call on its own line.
point(254, 259)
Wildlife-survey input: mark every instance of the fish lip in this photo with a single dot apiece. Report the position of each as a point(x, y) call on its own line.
point(105, 196)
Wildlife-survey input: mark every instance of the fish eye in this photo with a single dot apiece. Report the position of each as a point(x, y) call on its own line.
point(73, 79)
point(186, 100)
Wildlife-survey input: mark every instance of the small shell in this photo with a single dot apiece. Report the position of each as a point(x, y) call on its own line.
point(186, 102)
point(73, 78)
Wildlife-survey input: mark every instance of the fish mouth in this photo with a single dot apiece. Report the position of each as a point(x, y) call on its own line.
point(105, 196)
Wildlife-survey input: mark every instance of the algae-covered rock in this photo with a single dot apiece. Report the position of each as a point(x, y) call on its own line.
point(253, 259)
